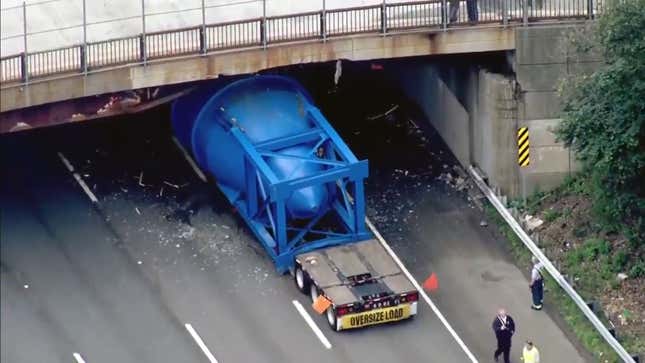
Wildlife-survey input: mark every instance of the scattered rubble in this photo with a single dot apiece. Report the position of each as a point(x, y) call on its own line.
point(532, 222)
point(621, 276)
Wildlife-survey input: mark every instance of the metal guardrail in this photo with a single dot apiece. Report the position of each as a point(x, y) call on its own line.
point(553, 271)
point(317, 25)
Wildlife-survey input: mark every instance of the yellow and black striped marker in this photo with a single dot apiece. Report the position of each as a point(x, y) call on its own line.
point(523, 146)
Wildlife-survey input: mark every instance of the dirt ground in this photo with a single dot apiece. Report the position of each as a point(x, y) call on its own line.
point(566, 231)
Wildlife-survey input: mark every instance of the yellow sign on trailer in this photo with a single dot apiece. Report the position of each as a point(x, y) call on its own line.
point(377, 316)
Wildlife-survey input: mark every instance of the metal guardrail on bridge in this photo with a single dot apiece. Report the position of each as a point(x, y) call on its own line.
point(319, 25)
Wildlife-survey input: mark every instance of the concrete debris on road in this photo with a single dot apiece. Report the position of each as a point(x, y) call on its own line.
point(141, 179)
point(171, 184)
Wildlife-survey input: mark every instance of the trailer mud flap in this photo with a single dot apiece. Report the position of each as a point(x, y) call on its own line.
point(378, 316)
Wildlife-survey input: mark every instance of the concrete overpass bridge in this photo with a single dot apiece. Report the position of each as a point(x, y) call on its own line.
point(479, 129)
point(207, 50)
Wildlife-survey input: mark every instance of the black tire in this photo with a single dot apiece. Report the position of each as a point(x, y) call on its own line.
point(301, 279)
point(330, 314)
point(313, 292)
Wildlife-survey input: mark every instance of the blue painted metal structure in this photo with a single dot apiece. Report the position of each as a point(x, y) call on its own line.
point(278, 161)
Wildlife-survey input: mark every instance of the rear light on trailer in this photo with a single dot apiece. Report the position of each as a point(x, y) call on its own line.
point(345, 309)
point(409, 297)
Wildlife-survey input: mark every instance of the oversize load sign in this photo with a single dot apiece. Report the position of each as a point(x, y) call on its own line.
point(376, 316)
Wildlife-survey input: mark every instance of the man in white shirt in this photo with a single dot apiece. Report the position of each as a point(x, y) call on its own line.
point(537, 284)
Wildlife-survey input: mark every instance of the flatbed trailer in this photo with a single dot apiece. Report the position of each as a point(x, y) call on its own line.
point(361, 281)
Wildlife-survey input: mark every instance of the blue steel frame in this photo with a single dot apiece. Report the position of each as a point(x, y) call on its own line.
point(263, 203)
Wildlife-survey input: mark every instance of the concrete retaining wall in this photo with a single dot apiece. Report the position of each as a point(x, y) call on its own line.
point(494, 136)
point(543, 58)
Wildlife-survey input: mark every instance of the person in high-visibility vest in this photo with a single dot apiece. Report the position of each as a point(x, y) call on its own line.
point(530, 353)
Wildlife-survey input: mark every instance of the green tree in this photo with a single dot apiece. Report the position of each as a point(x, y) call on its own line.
point(604, 118)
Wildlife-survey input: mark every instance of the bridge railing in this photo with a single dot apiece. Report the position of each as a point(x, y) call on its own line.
point(385, 18)
point(236, 34)
point(113, 52)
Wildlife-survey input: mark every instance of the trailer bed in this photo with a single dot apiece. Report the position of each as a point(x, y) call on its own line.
point(332, 270)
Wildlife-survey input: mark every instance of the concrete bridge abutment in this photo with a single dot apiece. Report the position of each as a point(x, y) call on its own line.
point(478, 103)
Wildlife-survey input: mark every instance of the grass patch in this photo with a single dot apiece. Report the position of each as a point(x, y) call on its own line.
point(578, 322)
point(551, 215)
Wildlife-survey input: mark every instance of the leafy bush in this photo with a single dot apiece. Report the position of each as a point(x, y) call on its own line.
point(619, 261)
point(637, 270)
point(604, 119)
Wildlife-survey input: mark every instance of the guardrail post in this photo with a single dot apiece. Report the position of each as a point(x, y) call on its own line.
point(83, 54)
point(383, 18)
point(202, 40)
point(323, 21)
point(202, 31)
point(142, 48)
point(444, 14)
point(142, 40)
point(263, 32)
point(84, 47)
point(24, 76)
point(25, 55)
point(590, 9)
point(525, 12)
point(263, 26)
point(504, 12)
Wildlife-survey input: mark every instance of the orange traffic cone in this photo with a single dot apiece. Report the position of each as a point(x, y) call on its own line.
point(321, 304)
point(431, 283)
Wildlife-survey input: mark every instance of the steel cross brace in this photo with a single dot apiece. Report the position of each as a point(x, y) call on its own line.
point(263, 204)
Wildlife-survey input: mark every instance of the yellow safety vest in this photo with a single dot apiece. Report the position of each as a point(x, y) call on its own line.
point(531, 356)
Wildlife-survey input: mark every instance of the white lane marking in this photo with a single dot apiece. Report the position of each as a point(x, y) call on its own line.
point(78, 178)
point(190, 160)
point(68, 165)
point(312, 324)
point(421, 291)
point(200, 343)
point(78, 358)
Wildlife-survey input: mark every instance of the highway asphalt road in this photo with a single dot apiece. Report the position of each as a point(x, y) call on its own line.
point(118, 280)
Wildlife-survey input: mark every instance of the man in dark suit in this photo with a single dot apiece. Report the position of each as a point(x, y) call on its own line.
point(504, 327)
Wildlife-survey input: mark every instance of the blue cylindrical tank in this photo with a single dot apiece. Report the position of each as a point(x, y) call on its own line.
point(265, 108)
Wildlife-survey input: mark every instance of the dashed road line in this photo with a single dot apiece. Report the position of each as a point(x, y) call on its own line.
point(78, 358)
point(421, 291)
point(190, 160)
point(78, 178)
point(200, 343)
point(312, 324)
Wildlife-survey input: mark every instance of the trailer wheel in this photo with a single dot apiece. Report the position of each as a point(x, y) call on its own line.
point(302, 280)
point(313, 292)
point(331, 318)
